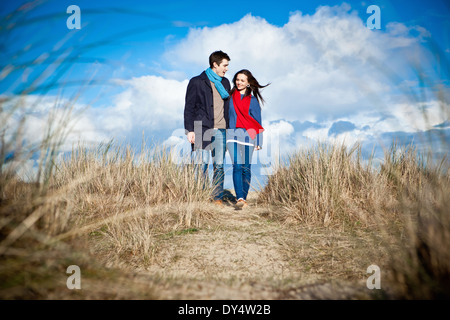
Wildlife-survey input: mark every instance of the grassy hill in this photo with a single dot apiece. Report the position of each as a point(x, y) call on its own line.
point(142, 227)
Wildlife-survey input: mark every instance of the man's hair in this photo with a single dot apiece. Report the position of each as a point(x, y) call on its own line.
point(217, 57)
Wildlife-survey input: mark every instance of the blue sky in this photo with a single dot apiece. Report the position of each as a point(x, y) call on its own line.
point(331, 77)
point(141, 31)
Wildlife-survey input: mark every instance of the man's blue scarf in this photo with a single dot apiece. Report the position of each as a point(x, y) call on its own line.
point(217, 80)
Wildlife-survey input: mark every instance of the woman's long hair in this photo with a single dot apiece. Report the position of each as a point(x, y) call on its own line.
point(254, 85)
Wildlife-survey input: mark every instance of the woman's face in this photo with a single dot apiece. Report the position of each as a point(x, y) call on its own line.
point(241, 82)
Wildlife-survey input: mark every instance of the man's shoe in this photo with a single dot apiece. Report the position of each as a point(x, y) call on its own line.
point(218, 203)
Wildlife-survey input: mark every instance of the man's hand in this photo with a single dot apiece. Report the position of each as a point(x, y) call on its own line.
point(191, 137)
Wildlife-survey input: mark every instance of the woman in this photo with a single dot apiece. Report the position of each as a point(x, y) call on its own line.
point(245, 131)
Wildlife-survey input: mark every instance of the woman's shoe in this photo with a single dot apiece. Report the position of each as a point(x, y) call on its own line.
point(241, 203)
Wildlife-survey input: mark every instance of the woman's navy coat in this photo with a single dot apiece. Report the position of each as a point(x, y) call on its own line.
point(199, 107)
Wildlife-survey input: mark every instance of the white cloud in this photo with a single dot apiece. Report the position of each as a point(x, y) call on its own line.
point(410, 117)
point(30, 123)
point(319, 65)
point(371, 127)
point(278, 140)
point(322, 68)
point(35, 118)
point(148, 103)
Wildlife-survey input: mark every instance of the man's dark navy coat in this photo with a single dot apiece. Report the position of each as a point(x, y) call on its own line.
point(199, 107)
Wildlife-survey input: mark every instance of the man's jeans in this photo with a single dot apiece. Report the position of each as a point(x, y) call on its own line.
point(218, 150)
point(241, 157)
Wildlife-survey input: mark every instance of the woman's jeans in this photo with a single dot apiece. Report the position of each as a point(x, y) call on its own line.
point(218, 150)
point(241, 156)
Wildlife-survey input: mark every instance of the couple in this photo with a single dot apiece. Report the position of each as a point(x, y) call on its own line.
point(217, 118)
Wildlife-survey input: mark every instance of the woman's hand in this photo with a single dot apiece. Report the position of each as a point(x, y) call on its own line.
point(258, 148)
point(191, 137)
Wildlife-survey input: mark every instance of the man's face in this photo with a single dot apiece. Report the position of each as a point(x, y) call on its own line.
point(222, 68)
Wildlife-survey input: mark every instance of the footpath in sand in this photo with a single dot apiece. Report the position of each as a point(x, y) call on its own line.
point(247, 255)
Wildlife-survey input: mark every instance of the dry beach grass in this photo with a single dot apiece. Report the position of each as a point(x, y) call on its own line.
point(147, 222)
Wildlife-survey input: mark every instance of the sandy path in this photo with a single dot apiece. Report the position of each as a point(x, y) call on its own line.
point(243, 256)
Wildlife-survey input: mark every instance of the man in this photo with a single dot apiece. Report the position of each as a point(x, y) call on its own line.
point(206, 117)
